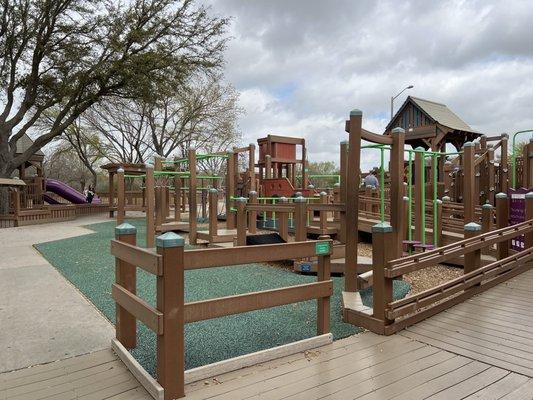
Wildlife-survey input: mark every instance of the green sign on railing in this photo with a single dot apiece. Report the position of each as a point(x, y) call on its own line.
point(321, 248)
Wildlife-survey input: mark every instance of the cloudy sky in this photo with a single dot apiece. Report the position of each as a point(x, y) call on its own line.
point(301, 66)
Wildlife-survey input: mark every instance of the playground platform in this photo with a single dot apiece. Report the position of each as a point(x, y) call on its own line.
point(481, 348)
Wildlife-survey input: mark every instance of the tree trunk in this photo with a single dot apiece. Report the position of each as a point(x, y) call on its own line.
point(6, 170)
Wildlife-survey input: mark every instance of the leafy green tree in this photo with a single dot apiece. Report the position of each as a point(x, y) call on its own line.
point(67, 55)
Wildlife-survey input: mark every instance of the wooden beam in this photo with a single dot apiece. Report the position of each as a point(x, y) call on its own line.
point(136, 306)
point(137, 256)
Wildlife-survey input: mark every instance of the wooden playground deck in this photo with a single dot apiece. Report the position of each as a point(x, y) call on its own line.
point(478, 349)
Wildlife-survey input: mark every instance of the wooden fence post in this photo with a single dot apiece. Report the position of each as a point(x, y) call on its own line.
point(528, 240)
point(177, 198)
point(491, 175)
point(283, 225)
point(420, 170)
point(396, 188)
point(323, 309)
point(382, 251)
point(252, 215)
point(439, 223)
point(353, 181)
point(468, 182)
point(251, 167)
point(486, 217)
point(213, 212)
point(121, 213)
point(504, 163)
point(230, 190)
point(342, 189)
point(170, 302)
point(193, 210)
point(300, 219)
point(472, 259)
point(204, 203)
point(150, 205)
point(241, 221)
point(126, 276)
point(323, 214)
point(502, 221)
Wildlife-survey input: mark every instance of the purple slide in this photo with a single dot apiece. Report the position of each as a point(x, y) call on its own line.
point(67, 192)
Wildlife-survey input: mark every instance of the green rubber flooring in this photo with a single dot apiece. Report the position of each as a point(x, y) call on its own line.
point(87, 263)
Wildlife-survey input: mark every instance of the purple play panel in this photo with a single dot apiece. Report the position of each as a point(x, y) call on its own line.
point(517, 214)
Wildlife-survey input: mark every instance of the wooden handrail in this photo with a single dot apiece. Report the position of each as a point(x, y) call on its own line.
point(215, 257)
point(142, 258)
point(416, 262)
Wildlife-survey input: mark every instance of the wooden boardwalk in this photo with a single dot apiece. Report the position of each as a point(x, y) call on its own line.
point(481, 349)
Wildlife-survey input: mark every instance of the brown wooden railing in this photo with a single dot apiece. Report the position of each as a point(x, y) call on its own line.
point(171, 313)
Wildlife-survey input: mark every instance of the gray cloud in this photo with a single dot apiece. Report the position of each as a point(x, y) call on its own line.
point(302, 65)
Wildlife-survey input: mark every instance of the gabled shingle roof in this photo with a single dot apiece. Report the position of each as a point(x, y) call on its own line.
point(24, 143)
point(442, 114)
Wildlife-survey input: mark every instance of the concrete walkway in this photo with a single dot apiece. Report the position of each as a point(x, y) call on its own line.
point(43, 317)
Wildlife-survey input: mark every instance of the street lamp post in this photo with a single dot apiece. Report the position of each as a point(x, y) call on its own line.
point(394, 97)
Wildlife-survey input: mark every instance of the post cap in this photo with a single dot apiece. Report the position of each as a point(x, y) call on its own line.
point(252, 193)
point(299, 199)
point(345, 142)
point(439, 201)
point(251, 144)
point(323, 194)
point(213, 190)
point(529, 195)
point(298, 194)
point(420, 148)
point(337, 185)
point(505, 135)
point(469, 144)
point(169, 239)
point(120, 170)
point(283, 199)
point(268, 156)
point(501, 195)
point(148, 165)
point(241, 200)
point(472, 227)
point(382, 227)
point(446, 198)
point(125, 229)
point(398, 130)
point(487, 206)
point(405, 198)
point(356, 113)
point(310, 186)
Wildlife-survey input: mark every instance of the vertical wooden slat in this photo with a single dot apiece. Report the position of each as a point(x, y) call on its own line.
point(468, 182)
point(170, 301)
point(283, 218)
point(323, 214)
point(241, 221)
point(504, 163)
point(502, 221)
point(121, 213)
point(126, 276)
point(491, 175)
point(323, 303)
point(251, 166)
point(252, 215)
point(342, 190)
point(193, 211)
point(111, 200)
point(177, 198)
point(300, 219)
point(472, 259)
point(396, 188)
point(352, 200)
point(382, 251)
point(230, 190)
point(420, 169)
point(150, 206)
point(213, 212)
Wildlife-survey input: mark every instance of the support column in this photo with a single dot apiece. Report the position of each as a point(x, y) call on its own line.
point(382, 252)
point(502, 221)
point(468, 182)
point(472, 259)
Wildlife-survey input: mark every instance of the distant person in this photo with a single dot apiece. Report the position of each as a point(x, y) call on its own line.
point(90, 195)
point(371, 180)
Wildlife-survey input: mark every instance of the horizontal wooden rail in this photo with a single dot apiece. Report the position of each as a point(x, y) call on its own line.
point(139, 308)
point(145, 259)
point(429, 258)
point(241, 303)
point(423, 299)
point(213, 257)
point(333, 207)
point(270, 207)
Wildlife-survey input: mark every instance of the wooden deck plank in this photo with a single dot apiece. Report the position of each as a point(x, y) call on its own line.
point(444, 381)
point(305, 370)
point(523, 392)
point(330, 380)
point(500, 388)
point(471, 385)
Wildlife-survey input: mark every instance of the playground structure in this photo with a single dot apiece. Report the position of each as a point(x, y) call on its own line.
point(42, 200)
point(408, 231)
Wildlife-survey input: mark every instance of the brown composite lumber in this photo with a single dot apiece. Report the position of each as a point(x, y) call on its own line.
point(145, 259)
point(222, 306)
point(136, 306)
point(216, 257)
